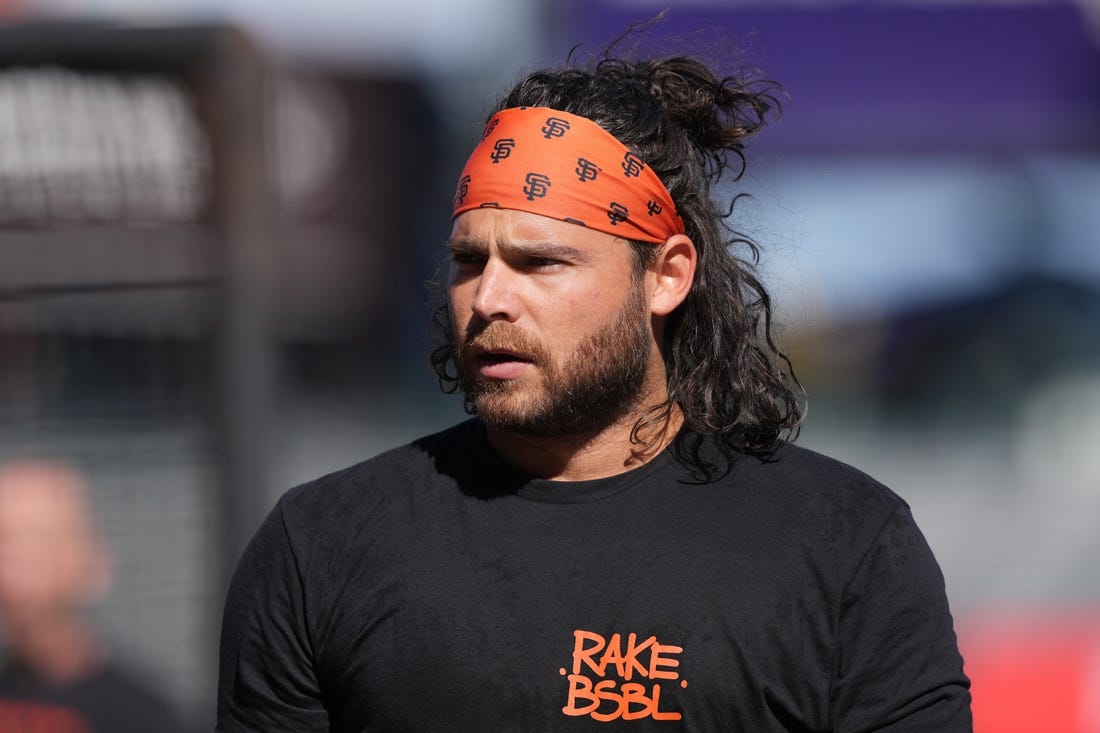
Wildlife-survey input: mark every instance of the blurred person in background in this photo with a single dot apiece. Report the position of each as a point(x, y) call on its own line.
point(623, 533)
point(57, 674)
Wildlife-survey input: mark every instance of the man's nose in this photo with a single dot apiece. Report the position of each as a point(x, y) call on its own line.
point(495, 299)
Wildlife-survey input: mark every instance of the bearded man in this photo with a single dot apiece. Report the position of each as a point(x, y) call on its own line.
point(623, 534)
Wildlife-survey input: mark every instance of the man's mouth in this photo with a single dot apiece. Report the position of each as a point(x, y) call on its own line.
point(501, 364)
point(500, 357)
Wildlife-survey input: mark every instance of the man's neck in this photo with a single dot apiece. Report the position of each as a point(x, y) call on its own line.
point(583, 457)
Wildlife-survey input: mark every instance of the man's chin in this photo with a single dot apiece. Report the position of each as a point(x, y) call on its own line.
point(499, 413)
point(501, 410)
point(505, 407)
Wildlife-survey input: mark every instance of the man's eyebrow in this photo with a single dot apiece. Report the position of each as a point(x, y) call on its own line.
point(463, 244)
point(544, 250)
point(530, 248)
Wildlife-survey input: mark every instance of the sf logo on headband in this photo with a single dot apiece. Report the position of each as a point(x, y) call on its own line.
point(502, 148)
point(537, 186)
point(490, 127)
point(554, 127)
point(463, 189)
point(632, 165)
point(617, 213)
point(586, 170)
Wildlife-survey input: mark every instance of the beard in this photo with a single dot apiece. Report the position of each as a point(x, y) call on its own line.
point(581, 393)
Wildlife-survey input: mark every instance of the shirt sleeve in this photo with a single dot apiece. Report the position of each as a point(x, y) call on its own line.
point(898, 667)
point(267, 679)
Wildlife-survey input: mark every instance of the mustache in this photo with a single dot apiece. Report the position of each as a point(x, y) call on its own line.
point(501, 336)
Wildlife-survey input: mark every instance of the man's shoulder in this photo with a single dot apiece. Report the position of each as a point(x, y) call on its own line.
point(807, 499)
point(409, 464)
point(796, 462)
point(813, 478)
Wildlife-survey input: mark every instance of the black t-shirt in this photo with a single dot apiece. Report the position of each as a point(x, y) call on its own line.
point(105, 701)
point(434, 588)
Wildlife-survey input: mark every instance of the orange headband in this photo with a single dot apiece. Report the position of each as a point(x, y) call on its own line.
point(566, 167)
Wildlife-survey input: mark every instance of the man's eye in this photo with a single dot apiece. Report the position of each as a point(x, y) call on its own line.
point(465, 258)
point(540, 262)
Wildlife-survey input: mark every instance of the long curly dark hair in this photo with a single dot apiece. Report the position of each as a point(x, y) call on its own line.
point(724, 368)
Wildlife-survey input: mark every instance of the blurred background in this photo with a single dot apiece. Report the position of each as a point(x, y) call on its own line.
point(218, 219)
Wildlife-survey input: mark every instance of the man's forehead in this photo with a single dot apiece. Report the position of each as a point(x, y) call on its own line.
point(506, 227)
point(532, 248)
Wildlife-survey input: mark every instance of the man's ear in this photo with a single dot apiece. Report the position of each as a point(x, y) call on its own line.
point(674, 272)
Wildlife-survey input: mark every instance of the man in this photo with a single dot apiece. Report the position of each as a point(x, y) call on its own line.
point(620, 537)
point(57, 675)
